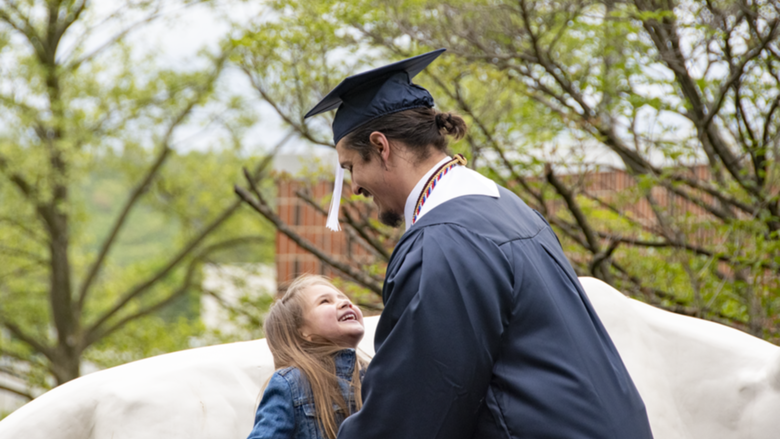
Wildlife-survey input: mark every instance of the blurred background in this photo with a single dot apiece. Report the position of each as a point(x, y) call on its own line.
point(159, 186)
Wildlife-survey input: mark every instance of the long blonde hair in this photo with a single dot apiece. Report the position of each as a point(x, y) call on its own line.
point(315, 358)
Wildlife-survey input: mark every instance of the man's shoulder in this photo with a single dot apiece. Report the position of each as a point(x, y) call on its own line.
point(496, 219)
point(453, 238)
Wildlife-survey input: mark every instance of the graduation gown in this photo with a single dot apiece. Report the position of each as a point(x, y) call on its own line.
point(487, 333)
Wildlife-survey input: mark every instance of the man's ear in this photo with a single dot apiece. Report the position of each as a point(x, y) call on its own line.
point(381, 144)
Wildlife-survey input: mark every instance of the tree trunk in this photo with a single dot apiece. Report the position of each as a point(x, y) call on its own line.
point(68, 347)
point(67, 365)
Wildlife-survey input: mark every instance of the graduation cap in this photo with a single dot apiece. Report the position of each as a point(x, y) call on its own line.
point(367, 96)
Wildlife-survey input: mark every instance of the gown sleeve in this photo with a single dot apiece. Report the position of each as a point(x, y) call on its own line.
point(446, 306)
point(275, 418)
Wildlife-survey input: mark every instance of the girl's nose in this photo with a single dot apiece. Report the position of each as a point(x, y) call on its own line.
point(345, 303)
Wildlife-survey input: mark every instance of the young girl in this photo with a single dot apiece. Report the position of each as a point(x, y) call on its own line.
point(312, 333)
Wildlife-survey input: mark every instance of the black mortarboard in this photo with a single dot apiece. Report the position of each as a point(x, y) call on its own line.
point(375, 93)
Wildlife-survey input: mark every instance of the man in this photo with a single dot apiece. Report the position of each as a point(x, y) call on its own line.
point(486, 331)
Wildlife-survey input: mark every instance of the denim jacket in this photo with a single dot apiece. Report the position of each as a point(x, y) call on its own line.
point(287, 408)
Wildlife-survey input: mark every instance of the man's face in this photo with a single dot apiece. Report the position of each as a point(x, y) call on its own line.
point(374, 180)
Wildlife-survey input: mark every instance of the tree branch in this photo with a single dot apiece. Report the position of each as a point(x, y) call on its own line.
point(25, 27)
point(721, 214)
point(173, 263)
point(113, 40)
point(369, 243)
point(374, 245)
point(142, 187)
point(300, 128)
point(23, 254)
point(194, 263)
point(736, 74)
point(364, 211)
point(23, 227)
point(27, 189)
point(681, 307)
point(553, 69)
point(186, 250)
point(19, 357)
point(253, 320)
point(719, 194)
point(10, 372)
point(97, 334)
point(21, 393)
point(601, 257)
point(616, 211)
point(18, 333)
point(135, 195)
point(262, 207)
point(666, 41)
point(71, 17)
point(574, 208)
point(19, 271)
point(686, 246)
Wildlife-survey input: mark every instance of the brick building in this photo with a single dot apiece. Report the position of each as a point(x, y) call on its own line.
point(291, 260)
point(309, 222)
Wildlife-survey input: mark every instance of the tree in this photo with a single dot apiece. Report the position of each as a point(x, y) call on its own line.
point(76, 117)
point(645, 131)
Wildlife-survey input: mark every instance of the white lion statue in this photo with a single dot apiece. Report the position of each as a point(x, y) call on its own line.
point(699, 380)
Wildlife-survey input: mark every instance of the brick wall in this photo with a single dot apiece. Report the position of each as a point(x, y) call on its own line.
point(307, 221)
point(292, 260)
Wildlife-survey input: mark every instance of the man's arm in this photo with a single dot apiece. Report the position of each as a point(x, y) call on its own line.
point(439, 336)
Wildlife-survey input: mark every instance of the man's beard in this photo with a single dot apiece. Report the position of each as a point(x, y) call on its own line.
point(390, 218)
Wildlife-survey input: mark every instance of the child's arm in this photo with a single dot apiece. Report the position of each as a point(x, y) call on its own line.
point(275, 418)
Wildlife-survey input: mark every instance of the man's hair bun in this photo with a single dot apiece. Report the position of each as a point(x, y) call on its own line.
point(450, 124)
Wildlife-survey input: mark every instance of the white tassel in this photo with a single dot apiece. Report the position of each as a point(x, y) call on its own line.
point(333, 213)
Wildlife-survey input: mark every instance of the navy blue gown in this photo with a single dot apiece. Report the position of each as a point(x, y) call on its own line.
point(487, 333)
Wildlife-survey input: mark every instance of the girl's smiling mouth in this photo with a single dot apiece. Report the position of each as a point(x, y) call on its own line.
point(349, 315)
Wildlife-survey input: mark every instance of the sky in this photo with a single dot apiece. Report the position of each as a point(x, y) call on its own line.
point(182, 32)
point(179, 36)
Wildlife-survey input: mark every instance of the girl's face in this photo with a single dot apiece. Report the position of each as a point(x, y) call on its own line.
point(330, 314)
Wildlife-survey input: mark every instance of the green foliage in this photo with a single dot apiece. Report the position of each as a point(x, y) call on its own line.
point(106, 219)
point(585, 87)
point(145, 338)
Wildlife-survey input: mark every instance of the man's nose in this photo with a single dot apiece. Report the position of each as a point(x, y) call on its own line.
point(355, 188)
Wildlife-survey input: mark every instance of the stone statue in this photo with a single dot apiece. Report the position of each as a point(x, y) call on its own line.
point(698, 379)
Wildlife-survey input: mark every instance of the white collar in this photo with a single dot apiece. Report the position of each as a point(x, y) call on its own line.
point(459, 181)
point(411, 200)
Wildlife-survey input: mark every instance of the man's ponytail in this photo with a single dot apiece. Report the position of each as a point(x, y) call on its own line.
point(450, 124)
